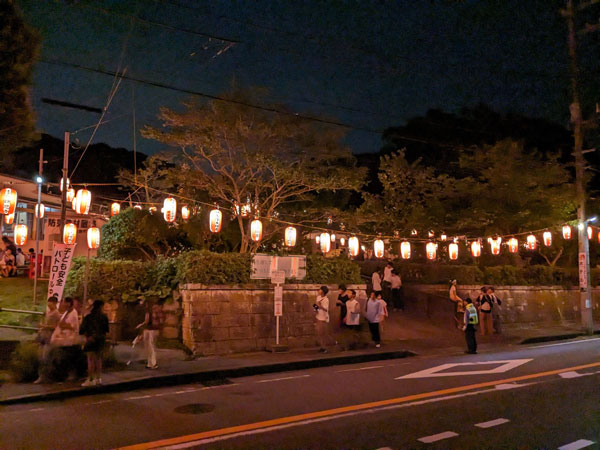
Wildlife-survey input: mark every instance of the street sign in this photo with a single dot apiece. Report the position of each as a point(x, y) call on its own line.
point(278, 277)
point(278, 301)
point(582, 271)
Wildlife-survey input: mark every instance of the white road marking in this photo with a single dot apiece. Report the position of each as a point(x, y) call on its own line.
point(505, 386)
point(101, 401)
point(565, 343)
point(35, 409)
point(329, 418)
point(139, 397)
point(283, 378)
point(581, 443)
point(437, 437)
point(505, 366)
point(384, 448)
point(361, 368)
point(492, 423)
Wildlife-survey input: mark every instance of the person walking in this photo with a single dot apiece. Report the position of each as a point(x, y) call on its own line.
point(343, 297)
point(51, 319)
point(152, 325)
point(376, 282)
point(373, 313)
point(484, 302)
point(471, 320)
point(397, 300)
point(386, 284)
point(353, 318)
point(496, 309)
point(459, 304)
point(321, 307)
point(94, 327)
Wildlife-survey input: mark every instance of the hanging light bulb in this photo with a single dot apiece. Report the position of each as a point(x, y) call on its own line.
point(547, 236)
point(93, 237)
point(443, 236)
point(430, 250)
point(531, 242)
point(495, 245)
point(566, 231)
point(8, 200)
point(353, 246)
point(453, 251)
point(325, 241)
point(590, 232)
point(169, 209)
point(40, 210)
point(115, 209)
point(378, 248)
point(21, 233)
point(83, 201)
point(185, 212)
point(405, 250)
point(476, 249)
point(513, 245)
point(70, 233)
point(290, 236)
point(9, 218)
point(256, 230)
point(215, 220)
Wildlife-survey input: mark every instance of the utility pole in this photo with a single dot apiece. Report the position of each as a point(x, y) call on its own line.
point(38, 219)
point(585, 288)
point(65, 177)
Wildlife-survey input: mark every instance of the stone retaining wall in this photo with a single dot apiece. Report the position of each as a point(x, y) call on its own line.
point(228, 319)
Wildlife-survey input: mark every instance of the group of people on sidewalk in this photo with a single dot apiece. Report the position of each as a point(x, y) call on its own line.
point(375, 311)
point(483, 312)
point(70, 329)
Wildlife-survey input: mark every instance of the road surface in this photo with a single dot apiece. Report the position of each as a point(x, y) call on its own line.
point(538, 396)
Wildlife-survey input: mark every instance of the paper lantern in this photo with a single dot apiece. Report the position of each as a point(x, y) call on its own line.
point(185, 212)
point(513, 245)
point(547, 236)
point(590, 232)
point(353, 246)
point(246, 208)
point(256, 230)
point(431, 233)
point(169, 209)
point(215, 220)
point(40, 210)
point(453, 251)
point(8, 200)
point(83, 201)
point(70, 195)
point(443, 237)
point(317, 239)
point(20, 234)
point(332, 237)
point(70, 233)
point(325, 242)
point(115, 209)
point(93, 237)
point(62, 184)
point(290, 237)
point(495, 245)
point(378, 248)
point(566, 230)
point(476, 249)
point(9, 218)
point(405, 250)
point(430, 250)
point(152, 209)
point(531, 242)
point(74, 203)
point(414, 232)
point(342, 241)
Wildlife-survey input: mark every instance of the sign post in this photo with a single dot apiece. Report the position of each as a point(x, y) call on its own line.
point(278, 278)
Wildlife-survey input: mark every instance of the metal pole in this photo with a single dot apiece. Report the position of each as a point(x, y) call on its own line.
point(65, 176)
point(585, 288)
point(277, 331)
point(37, 226)
point(87, 276)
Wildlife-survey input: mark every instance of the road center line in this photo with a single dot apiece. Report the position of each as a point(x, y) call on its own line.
point(566, 343)
point(360, 368)
point(437, 437)
point(492, 423)
point(581, 443)
point(345, 409)
point(283, 378)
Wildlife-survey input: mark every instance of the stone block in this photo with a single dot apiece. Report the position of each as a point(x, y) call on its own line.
point(262, 319)
point(204, 348)
point(231, 320)
point(171, 306)
point(219, 334)
point(263, 331)
point(206, 308)
point(262, 307)
point(240, 332)
point(172, 320)
point(235, 346)
point(241, 307)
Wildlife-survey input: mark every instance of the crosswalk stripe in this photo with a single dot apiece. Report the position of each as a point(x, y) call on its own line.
point(437, 437)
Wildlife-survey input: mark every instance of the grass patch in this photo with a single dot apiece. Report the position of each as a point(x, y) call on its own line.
point(17, 293)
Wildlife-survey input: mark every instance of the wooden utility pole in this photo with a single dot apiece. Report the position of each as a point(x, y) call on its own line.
point(585, 289)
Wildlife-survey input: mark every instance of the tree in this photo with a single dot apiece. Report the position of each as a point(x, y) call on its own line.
point(241, 155)
point(19, 48)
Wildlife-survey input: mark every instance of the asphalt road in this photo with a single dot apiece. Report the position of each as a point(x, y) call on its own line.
point(540, 396)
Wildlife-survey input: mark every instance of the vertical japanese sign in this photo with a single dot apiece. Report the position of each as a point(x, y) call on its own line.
point(582, 272)
point(62, 254)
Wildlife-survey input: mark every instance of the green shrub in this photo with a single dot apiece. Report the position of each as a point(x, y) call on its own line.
point(438, 274)
point(504, 275)
point(321, 270)
point(24, 362)
point(205, 267)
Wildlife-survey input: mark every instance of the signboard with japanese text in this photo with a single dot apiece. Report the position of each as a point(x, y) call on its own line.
point(52, 231)
point(264, 265)
point(582, 272)
point(62, 254)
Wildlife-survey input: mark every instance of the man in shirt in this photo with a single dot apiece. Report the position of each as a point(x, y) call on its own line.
point(321, 307)
point(353, 318)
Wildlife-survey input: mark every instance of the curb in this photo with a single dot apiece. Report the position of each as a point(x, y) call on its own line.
point(556, 337)
point(204, 376)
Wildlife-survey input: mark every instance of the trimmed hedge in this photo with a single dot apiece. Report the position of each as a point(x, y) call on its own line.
point(320, 270)
point(213, 268)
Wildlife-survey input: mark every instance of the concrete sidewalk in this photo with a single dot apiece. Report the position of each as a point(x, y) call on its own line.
point(402, 337)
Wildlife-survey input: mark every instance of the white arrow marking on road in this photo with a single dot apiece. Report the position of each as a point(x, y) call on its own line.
point(581, 443)
point(505, 366)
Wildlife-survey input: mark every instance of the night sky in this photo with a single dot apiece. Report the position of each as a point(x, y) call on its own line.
point(370, 64)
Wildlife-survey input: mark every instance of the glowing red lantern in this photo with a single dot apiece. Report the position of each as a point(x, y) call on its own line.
point(476, 249)
point(531, 242)
point(590, 232)
point(70, 233)
point(513, 245)
point(547, 236)
point(215, 220)
point(325, 242)
point(353, 246)
point(83, 201)
point(93, 237)
point(431, 250)
point(185, 212)
point(169, 209)
point(405, 250)
point(290, 237)
point(115, 209)
point(256, 230)
point(378, 248)
point(70, 195)
point(566, 230)
point(453, 251)
point(495, 245)
point(21, 233)
point(8, 201)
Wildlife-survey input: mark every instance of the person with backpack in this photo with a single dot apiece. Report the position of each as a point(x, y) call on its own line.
point(152, 324)
point(471, 319)
point(94, 327)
